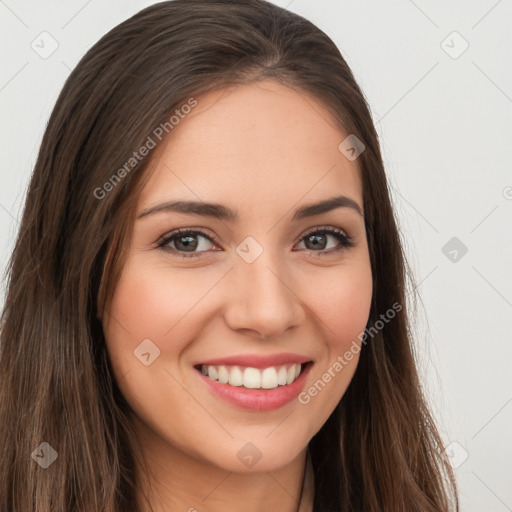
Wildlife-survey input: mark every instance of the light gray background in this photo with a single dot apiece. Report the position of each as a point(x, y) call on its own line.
point(445, 127)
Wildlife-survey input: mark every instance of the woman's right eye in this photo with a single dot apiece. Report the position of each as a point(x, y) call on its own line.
point(185, 241)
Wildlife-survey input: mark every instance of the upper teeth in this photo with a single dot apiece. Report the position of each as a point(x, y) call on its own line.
point(266, 378)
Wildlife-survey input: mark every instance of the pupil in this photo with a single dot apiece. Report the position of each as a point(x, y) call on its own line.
point(314, 239)
point(190, 242)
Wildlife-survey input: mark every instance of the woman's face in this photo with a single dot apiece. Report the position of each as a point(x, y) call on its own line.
point(261, 287)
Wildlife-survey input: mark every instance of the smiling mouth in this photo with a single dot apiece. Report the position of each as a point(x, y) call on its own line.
point(253, 378)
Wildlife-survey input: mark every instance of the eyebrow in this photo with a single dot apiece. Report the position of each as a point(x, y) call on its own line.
point(218, 211)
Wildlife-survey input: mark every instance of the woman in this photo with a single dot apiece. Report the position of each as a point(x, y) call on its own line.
point(206, 302)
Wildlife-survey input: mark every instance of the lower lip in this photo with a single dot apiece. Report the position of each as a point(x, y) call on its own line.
point(258, 399)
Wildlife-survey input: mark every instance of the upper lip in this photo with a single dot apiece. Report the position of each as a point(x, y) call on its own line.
point(257, 360)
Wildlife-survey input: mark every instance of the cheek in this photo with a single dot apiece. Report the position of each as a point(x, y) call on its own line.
point(342, 305)
point(154, 303)
point(158, 306)
point(342, 308)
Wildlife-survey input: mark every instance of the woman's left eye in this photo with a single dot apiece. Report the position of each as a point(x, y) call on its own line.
point(186, 241)
point(319, 238)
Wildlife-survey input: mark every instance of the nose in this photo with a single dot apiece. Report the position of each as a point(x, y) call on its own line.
point(261, 300)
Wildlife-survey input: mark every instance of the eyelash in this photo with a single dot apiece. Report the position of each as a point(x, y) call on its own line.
point(345, 241)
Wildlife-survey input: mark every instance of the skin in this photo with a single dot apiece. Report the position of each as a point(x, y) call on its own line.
point(263, 150)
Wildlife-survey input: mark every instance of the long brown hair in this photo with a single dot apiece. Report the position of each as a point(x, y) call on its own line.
point(378, 451)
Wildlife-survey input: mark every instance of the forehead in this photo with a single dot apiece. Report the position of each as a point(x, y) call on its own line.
point(250, 144)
